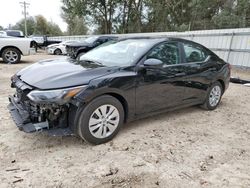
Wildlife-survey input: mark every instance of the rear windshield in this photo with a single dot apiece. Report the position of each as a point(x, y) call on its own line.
point(14, 33)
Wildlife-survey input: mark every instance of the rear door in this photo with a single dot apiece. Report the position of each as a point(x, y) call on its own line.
point(199, 68)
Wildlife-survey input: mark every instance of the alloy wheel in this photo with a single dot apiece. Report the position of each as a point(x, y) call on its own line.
point(11, 56)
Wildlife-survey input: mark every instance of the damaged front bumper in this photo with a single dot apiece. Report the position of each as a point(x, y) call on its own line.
point(22, 119)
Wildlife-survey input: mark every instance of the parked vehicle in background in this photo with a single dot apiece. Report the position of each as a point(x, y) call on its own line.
point(116, 83)
point(76, 50)
point(12, 33)
point(11, 48)
point(17, 33)
point(59, 49)
point(43, 41)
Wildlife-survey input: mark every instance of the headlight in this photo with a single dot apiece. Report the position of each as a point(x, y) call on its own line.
point(59, 96)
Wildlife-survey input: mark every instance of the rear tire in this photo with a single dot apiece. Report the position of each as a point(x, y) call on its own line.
point(213, 97)
point(34, 45)
point(11, 55)
point(100, 120)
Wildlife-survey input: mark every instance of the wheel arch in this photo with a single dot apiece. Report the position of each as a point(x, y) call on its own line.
point(123, 101)
point(116, 95)
point(81, 50)
point(5, 47)
point(57, 49)
point(222, 84)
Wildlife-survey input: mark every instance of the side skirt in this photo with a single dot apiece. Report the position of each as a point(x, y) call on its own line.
point(137, 117)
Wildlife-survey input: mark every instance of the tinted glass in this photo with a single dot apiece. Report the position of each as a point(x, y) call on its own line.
point(168, 53)
point(194, 53)
point(14, 33)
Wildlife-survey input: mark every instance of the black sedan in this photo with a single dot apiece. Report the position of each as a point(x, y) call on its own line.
point(114, 84)
point(76, 50)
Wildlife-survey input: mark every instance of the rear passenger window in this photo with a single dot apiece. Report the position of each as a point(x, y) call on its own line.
point(194, 53)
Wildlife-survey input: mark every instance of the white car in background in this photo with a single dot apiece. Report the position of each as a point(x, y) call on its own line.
point(11, 48)
point(59, 49)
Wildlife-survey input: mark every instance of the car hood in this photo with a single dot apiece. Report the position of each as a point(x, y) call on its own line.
point(52, 45)
point(61, 73)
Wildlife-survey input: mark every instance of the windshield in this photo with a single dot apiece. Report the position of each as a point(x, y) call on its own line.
point(91, 39)
point(123, 53)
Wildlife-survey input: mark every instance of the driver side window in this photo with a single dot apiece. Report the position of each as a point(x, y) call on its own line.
point(168, 53)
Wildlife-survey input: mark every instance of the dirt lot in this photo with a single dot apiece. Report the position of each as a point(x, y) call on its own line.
point(185, 148)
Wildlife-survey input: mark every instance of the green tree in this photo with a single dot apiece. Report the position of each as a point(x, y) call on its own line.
point(126, 16)
point(38, 25)
point(99, 12)
point(76, 23)
point(134, 18)
point(242, 10)
point(43, 27)
point(79, 26)
point(31, 24)
point(54, 29)
point(171, 15)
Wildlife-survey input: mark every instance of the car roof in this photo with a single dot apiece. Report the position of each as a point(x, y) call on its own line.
point(151, 41)
point(156, 39)
point(107, 37)
point(160, 39)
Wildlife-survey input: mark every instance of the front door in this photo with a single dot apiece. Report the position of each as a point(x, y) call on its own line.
point(161, 87)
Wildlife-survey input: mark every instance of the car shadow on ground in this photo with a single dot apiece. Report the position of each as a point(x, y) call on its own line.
point(43, 141)
point(160, 117)
point(127, 129)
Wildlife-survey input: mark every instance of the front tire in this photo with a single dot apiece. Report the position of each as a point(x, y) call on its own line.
point(11, 55)
point(101, 120)
point(57, 52)
point(79, 56)
point(213, 96)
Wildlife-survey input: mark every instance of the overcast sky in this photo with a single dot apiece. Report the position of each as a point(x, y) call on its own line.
point(11, 11)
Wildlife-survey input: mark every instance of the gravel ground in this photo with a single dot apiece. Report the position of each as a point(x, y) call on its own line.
point(185, 148)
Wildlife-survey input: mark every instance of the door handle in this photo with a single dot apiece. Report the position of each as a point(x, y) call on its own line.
point(180, 74)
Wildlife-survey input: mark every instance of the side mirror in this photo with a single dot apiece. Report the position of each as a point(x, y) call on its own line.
point(152, 62)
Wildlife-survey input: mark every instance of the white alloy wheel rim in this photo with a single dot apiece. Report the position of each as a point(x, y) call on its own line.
point(11, 56)
point(214, 96)
point(104, 121)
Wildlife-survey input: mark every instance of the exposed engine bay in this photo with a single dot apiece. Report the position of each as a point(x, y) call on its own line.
point(30, 116)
